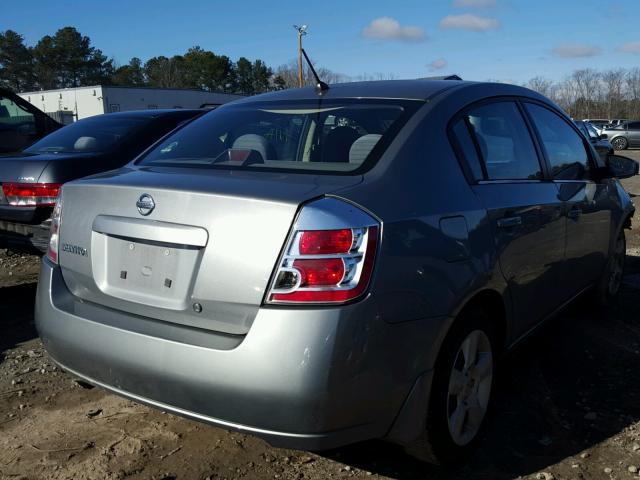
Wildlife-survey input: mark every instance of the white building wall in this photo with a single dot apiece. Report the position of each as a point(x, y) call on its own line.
point(82, 101)
point(121, 99)
point(88, 101)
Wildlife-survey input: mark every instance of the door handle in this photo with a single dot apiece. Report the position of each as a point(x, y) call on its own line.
point(574, 213)
point(508, 222)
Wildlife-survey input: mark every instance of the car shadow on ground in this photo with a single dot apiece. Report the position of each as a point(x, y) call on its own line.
point(571, 385)
point(16, 315)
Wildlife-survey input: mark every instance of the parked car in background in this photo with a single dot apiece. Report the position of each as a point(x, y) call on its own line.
point(323, 269)
point(21, 124)
point(598, 123)
point(599, 141)
point(617, 121)
point(623, 136)
point(30, 181)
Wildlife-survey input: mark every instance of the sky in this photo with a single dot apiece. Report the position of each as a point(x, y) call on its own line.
point(505, 40)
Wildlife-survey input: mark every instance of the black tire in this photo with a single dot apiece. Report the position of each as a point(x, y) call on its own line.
point(436, 444)
point(619, 143)
point(611, 278)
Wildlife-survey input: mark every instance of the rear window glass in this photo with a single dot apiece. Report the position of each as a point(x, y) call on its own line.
point(323, 136)
point(95, 134)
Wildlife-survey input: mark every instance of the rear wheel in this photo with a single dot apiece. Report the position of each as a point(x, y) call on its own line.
point(461, 391)
point(619, 143)
point(611, 279)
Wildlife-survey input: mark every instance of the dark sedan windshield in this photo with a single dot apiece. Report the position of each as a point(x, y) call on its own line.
point(91, 135)
point(327, 135)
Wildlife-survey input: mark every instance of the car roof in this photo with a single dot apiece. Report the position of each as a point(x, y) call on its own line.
point(420, 89)
point(383, 89)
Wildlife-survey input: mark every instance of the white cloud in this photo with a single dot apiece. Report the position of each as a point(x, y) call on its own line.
point(576, 50)
point(387, 28)
point(438, 64)
point(469, 21)
point(474, 3)
point(630, 47)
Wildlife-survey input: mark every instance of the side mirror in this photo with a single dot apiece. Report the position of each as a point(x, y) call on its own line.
point(622, 167)
point(603, 136)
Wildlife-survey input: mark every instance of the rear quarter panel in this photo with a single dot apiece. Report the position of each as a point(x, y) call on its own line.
point(437, 247)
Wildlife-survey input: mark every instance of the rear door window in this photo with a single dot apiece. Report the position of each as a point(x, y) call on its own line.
point(17, 126)
point(504, 142)
point(564, 147)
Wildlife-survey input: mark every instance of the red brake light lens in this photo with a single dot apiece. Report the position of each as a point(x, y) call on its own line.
point(328, 271)
point(31, 194)
point(339, 271)
point(322, 242)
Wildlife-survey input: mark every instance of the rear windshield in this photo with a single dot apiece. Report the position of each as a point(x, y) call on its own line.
point(91, 135)
point(323, 136)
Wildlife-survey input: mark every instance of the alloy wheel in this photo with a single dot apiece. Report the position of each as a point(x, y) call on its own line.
point(469, 387)
point(619, 143)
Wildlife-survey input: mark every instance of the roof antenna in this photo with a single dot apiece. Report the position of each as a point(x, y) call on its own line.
point(321, 87)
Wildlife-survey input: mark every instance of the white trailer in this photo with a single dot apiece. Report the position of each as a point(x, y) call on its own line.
point(85, 102)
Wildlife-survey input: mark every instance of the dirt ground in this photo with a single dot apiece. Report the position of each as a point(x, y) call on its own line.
point(567, 406)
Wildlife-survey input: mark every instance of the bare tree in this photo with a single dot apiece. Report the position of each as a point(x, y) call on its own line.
point(541, 85)
point(633, 89)
point(287, 75)
point(614, 82)
point(587, 87)
point(566, 94)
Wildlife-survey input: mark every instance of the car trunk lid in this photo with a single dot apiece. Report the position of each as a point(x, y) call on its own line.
point(23, 168)
point(35, 168)
point(199, 251)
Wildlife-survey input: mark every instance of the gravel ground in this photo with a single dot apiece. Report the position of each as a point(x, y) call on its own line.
point(567, 406)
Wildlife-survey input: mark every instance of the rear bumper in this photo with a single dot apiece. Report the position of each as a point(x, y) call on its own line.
point(25, 237)
point(311, 379)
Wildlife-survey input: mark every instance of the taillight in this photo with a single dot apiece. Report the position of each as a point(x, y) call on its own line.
point(326, 266)
point(326, 241)
point(54, 232)
point(31, 194)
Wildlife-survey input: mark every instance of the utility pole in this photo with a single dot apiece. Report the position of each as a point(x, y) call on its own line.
point(302, 30)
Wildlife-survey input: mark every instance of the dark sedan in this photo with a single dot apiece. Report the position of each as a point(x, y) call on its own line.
point(599, 142)
point(31, 179)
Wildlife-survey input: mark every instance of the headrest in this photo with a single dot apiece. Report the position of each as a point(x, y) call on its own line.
point(85, 143)
point(251, 141)
point(362, 147)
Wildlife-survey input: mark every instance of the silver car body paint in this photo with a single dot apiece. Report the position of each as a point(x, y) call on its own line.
point(314, 376)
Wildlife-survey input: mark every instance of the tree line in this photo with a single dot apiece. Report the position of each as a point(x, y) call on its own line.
point(68, 59)
point(590, 93)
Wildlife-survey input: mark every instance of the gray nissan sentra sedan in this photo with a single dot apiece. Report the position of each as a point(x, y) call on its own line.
point(323, 267)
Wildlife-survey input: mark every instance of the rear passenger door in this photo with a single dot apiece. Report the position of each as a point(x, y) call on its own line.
point(523, 208)
point(586, 203)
